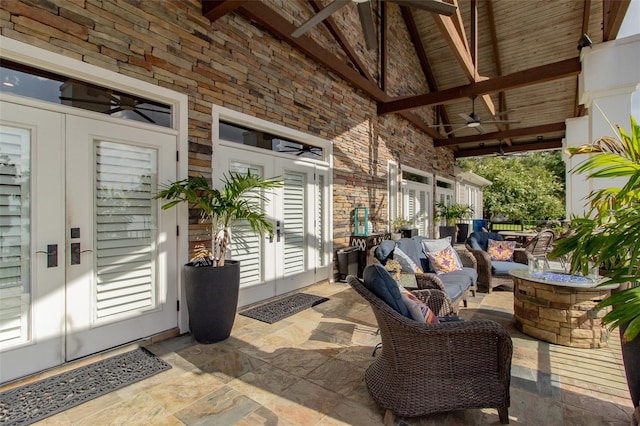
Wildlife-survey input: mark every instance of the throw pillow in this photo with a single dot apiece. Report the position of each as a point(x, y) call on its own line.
point(418, 310)
point(501, 250)
point(408, 265)
point(378, 281)
point(434, 246)
point(444, 261)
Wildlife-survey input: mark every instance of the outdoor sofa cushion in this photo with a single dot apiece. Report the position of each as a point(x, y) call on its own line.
point(456, 283)
point(378, 281)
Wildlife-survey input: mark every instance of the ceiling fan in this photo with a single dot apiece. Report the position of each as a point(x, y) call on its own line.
point(473, 120)
point(366, 16)
point(299, 149)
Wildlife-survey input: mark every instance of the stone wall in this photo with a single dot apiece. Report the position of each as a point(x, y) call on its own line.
point(235, 64)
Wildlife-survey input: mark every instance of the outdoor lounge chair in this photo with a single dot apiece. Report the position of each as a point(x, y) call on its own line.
point(431, 368)
point(541, 245)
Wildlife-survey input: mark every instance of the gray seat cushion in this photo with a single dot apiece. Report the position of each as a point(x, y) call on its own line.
point(499, 267)
point(457, 282)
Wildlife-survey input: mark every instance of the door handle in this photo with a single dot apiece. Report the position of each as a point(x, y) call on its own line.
point(76, 252)
point(52, 255)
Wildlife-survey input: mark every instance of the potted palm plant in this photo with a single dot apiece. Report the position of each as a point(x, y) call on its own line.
point(212, 281)
point(608, 237)
point(398, 225)
point(451, 215)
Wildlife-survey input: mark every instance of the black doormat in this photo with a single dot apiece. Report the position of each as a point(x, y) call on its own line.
point(282, 308)
point(38, 400)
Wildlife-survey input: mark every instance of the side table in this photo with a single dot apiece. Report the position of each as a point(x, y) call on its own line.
point(365, 243)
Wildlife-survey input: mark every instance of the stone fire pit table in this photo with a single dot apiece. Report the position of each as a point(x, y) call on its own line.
point(560, 308)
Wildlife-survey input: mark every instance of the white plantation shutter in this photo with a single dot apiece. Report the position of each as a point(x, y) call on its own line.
point(422, 214)
point(320, 217)
point(246, 245)
point(410, 214)
point(126, 229)
point(294, 217)
point(14, 235)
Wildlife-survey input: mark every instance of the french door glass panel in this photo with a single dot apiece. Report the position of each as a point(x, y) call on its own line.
point(31, 223)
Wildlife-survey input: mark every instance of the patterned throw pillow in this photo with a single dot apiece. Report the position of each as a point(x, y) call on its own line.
point(432, 246)
point(443, 261)
point(408, 265)
point(501, 250)
point(418, 310)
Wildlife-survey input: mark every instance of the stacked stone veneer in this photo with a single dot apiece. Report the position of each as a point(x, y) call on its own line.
point(235, 64)
point(561, 315)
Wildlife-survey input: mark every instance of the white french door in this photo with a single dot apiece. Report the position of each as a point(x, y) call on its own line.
point(417, 206)
point(296, 256)
point(88, 259)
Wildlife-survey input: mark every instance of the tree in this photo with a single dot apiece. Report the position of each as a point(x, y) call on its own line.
point(529, 186)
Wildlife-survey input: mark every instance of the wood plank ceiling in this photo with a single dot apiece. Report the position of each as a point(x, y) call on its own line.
point(526, 63)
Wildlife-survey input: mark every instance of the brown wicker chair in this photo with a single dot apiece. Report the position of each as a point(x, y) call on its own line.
point(541, 245)
point(430, 368)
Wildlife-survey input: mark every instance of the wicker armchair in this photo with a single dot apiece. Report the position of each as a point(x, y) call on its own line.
point(430, 368)
point(487, 280)
point(432, 281)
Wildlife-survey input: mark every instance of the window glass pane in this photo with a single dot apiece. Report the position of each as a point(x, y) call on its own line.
point(243, 135)
point(34, 83)
point(126, 229)
point(15, 276)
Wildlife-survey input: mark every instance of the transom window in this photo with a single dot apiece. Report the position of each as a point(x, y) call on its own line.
point(251, 137)
point(24, 80)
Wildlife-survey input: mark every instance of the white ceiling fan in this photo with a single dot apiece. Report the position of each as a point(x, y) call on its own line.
point(473, 120)
point(366, 16)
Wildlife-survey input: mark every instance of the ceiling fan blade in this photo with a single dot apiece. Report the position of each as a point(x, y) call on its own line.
point(480, 130)
point(500, 121)
point(466, 117)
point(88, 101)
point(435, 6)
point(455, 130)
point(320, 16)
point(368, 26)
point(503, 113)
point(145, 116)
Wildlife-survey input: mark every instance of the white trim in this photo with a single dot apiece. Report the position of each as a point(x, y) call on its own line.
point(34, 56)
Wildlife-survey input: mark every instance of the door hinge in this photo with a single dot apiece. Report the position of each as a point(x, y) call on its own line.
point(177, 231)
point(177, 156)
point(178, 305)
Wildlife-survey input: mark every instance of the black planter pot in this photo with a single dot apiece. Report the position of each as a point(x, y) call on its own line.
point(463, 233)
point(448, 231)
point(212, 299)
point(631, 359)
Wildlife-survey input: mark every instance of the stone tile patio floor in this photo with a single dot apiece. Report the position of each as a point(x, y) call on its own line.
point(308, 370)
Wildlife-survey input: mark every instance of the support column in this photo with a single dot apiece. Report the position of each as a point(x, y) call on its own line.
point(610, 76)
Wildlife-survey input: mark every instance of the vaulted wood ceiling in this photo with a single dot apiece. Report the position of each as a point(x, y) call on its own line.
point(526, 68)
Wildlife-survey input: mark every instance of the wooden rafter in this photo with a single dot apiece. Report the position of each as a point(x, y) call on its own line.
point(461, 52)
point(414, 35)
point(567, 68)
point(340, 38)
point(503, 134)
point(527, 146)
point(216, 9)
point(578, 109)
point(614, 11)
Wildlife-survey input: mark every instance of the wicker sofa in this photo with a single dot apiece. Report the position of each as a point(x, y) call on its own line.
point(430, 368)
point(493, 273)
point(456, 285)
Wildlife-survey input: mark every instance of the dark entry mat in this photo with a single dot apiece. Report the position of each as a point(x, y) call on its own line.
point(282, 308)
point(35, 401)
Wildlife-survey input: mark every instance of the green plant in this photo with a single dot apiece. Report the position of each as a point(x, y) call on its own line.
point(399, 222)
point(608, 235)
point(452, 213)
point(241, 199)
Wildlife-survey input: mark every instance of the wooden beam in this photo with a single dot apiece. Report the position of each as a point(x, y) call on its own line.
point(281, 28)
point(384, 58)
point(335, 31)
point(414, 35)
point(552, 144)
point(216, 9)
point(557, 70)
point(461, 52)
point(503, 134)
point(586, 16)
point(613, 11)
